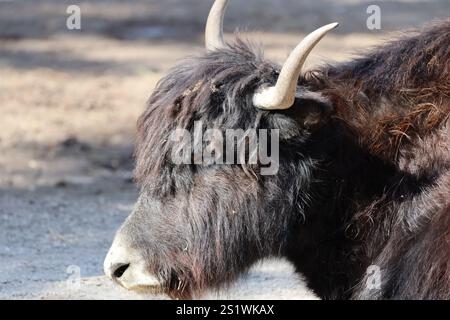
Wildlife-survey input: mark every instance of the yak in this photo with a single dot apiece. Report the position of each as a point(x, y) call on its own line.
point(360, 203)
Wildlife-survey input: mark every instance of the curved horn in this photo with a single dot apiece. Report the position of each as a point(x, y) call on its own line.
point(282, 95)
point(214, 26)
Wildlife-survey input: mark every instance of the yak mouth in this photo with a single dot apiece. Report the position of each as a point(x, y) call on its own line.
point(136, 286)
point(136, 275)
point(137, 281)
point(135, 270)
point(146, 289)
point(173, 287)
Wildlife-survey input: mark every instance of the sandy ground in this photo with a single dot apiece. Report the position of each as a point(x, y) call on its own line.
point(69, 101)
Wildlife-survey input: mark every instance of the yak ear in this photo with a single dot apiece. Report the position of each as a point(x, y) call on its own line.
point(310, 109)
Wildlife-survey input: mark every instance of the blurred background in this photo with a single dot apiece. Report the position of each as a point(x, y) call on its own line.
point(69, 100)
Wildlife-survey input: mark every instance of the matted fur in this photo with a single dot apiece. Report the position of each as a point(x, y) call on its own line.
point(369, 184)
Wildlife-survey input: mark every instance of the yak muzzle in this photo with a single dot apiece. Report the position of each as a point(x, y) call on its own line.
point(126, 266)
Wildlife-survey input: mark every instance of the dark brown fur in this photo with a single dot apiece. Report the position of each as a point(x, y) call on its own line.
point(394, 95)
point(367, 185)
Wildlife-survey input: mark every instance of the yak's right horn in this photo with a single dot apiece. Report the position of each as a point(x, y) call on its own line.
point(282, 95)
point(214, 26)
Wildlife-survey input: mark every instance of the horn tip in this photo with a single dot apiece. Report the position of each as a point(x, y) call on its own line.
point(334, 25)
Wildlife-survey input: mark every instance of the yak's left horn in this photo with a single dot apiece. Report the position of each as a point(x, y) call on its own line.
point(214, 26)
point(282, 95)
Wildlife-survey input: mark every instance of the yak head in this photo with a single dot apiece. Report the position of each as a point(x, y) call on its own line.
point(223, 167)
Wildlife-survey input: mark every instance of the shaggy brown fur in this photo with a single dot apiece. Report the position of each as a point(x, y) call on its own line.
point(368, 183)
point(395, 102)
point(395, 95)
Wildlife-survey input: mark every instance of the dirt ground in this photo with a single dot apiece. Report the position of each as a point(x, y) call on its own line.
point(69, 101)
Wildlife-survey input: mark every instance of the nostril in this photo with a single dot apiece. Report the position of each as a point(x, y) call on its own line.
point(119, 270)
